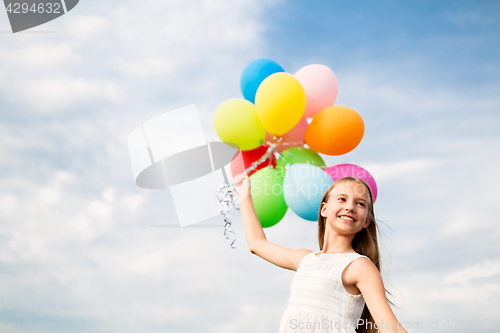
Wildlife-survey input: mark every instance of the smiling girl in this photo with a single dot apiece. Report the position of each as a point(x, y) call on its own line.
point(339, 288)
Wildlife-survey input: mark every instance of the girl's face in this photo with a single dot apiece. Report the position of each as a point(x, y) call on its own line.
point(347, 207)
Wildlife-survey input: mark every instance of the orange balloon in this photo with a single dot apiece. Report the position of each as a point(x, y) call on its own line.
point(335, 130)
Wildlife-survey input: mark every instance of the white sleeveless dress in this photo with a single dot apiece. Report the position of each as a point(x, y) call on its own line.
point(318, 300)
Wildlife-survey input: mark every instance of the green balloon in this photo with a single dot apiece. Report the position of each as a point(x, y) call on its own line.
point(299, 155)
point(267, 196)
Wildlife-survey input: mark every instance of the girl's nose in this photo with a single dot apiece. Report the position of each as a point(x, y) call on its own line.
point(349, 207)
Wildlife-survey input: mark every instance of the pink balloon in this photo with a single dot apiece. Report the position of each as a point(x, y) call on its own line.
point(351, 170)
point(296, 134)
point(320, 85)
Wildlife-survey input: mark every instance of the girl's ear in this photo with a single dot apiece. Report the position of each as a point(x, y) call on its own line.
point(323, 209)
point(367, 222)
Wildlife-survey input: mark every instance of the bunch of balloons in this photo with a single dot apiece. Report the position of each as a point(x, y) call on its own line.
point(270, 125)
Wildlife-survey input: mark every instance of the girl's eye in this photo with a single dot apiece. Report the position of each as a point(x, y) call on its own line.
point(342, 199)
point(361, 204)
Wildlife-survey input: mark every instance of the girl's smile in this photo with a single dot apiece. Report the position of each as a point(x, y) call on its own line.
point(347, 218)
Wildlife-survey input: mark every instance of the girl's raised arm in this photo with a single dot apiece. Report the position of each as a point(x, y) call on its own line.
point(257, 242)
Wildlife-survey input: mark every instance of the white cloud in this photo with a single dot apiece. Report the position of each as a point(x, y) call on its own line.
point(463, 221)
point(99, 209)
point(8, 204)
point(83, 27)
point(109, 195)
point(39, 56)
point(246, 319)
point(426, 295)
point(405, 170)
point(61, 93)
point(480, 270)
point(133, 202)
point(469, 295)
point(146, 68)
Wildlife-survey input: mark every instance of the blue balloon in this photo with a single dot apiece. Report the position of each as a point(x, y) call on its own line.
point(254, 74)
point(303, 189)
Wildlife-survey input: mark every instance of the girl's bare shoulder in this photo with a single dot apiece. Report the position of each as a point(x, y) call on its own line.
point(360, 267)
point(300, 254)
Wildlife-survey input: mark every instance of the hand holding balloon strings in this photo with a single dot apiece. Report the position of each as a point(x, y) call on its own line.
point(227, 196)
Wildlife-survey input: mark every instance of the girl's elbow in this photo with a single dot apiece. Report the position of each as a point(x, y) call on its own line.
point(254, 247)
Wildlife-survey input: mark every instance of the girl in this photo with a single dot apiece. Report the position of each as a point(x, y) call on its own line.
point(339, 288)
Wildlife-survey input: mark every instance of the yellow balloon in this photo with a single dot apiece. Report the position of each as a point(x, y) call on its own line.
point(280, 102)
point(236, 121)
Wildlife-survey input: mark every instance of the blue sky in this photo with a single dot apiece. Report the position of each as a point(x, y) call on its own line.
point(76, 250)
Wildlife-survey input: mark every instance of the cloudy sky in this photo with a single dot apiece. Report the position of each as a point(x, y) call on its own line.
point(78, 252)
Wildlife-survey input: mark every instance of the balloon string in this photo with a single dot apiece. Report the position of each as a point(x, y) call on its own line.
point(298, 143)
point(276, 142)
point(227, 199)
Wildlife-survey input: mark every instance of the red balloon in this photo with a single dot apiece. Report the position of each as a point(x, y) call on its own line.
point(244, 159)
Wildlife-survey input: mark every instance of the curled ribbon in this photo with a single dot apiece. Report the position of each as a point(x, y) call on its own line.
point(272, 147)
point(227, 199)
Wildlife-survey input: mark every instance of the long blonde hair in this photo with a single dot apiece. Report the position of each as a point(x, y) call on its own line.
point(365, 242)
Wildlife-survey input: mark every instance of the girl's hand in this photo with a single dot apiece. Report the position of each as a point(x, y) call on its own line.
point(242, 182)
